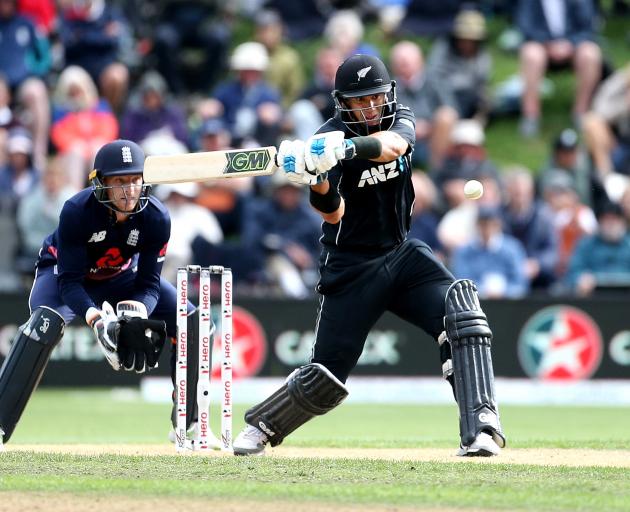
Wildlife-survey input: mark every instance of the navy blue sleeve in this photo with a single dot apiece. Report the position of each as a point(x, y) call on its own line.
point(151, 257)
point(72, 260)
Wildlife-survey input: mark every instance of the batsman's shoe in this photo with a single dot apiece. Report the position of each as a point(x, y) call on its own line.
point(250, 441)
point(482, 446)
point(1, 440)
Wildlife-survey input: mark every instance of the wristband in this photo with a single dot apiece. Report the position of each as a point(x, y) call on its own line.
point(365, 147)
point(326, 203)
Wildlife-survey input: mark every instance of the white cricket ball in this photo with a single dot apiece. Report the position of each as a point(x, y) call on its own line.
point(473, 189)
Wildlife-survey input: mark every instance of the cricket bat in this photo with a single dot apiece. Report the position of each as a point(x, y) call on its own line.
point(210, 165)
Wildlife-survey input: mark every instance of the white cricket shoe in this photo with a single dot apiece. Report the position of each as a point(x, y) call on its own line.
point(482, 446)
point(251, 441)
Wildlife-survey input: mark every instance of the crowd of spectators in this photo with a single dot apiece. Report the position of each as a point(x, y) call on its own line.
point(170, 75)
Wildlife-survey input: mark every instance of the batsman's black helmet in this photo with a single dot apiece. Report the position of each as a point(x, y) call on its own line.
point(364, 75)
point(118, 158)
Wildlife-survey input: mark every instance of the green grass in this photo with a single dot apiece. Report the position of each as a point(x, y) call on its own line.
point(101, 417)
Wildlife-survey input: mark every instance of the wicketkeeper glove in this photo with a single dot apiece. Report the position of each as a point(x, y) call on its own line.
point(140, 340)
point(104, 323)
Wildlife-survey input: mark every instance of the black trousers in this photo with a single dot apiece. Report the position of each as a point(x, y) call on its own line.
point(357, 289)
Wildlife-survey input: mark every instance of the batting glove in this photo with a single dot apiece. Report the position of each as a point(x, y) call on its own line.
point(104, 323)
point(323, 151)
point(290, 159)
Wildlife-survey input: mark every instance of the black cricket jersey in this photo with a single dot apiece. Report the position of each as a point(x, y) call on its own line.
point(378, 196)
point(89, 247)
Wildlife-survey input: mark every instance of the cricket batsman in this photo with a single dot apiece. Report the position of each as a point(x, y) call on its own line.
point(358, 168)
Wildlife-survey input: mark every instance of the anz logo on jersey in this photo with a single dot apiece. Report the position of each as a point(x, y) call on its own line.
point(382, 172)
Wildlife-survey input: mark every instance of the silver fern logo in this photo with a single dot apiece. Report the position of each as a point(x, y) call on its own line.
point(362, 72)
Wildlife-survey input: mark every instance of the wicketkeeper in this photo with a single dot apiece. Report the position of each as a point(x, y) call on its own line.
point(358, 168)
point(102, 263)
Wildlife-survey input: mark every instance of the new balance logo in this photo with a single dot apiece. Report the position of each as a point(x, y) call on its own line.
point(379, 173)
point(266, 429)
point(98, 236)
point(126, 155)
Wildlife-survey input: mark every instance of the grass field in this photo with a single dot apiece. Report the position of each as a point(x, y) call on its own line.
point(359, 457)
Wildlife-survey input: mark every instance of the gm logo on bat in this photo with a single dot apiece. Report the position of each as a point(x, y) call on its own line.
point(248, 160)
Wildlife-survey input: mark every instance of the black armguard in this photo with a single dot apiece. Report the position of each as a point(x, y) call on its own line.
point(326, 203)
point(366, 147)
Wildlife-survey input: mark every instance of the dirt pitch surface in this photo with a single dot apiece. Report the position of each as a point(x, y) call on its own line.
point(534, 456)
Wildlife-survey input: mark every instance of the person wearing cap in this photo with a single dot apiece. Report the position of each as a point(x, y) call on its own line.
point(557, 34)
point(250, 105)
point(102, 263)
point(357, 167)
point(152, 111)
point(466, 157)
point(18, 177)
point(494, 260)
point(463, 62)
point(287, 249)
point(285, 71)
point(568, 159)
point(602, 259)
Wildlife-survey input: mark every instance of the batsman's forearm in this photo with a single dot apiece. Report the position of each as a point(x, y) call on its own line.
point(392, 146)
point(327, 201)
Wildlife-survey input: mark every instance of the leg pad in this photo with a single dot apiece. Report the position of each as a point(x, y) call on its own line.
point(309, 391)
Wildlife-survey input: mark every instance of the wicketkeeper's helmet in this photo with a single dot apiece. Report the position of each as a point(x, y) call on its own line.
point(118, 158)
point(364, 75)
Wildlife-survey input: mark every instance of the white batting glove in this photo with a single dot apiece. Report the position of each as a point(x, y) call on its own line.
point(104, 323)
point(323, 151)
point(290, 159)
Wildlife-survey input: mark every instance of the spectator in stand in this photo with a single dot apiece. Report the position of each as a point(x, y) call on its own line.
point(38, 212)
point(152, 113)
point(303, 19)
point(287, 250)
point(462, 61)
point(625, 204)
point(188, 221)
point(7, 118)
point(433, 103)
point(531, 223)
point(250, 106)
point(429, 17)
point(457, 227)
point(344, 32)
point(197, 27)
point(24, 62)
point(318, 91)
point(466, 157)
point(572, 219)
point(43, 13)
point(18, 176)
point(285, 71)
point(603, 259)
point(316, 104)
point(424, 221)
point(568, 160)
point(93, 33)
point(557, 33)
point(82, 123)
point(607, 129)
point(494, 260)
